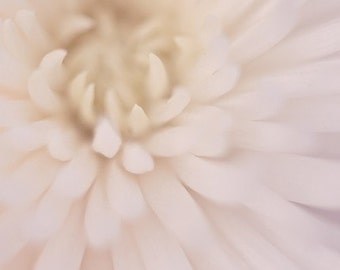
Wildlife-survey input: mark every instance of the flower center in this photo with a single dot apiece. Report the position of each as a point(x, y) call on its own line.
point(123, 65)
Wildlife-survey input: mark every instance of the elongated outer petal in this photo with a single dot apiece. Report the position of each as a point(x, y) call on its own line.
point(123, 192)
point(11, 239)
point(17, 112)
point(317, 186)
point(101, 222)
point(28, 137)
point(171, 141)
point(66, 249)
point(158, 249)
point(29, 181)
point(273, 137)
point(272, 22)
point(180, 214)
point(125, 253)
point(42, 222)
point(76, 177)
point(95, 258)
point(218, 181)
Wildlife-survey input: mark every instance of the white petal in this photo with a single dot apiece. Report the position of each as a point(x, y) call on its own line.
point(96, 259)
point(66, 249)
point(74, 25)
point(62, 143)
point(171, 141)
point(15, 42)
point(17, 112)
point(219, 181)
point(49, 215)
point(106, 139)
point(272, 22)
point(158, 249)
point(11, 239)
point(126, 255)
point(29, 24)
point(165, 111)
point(29, 180)
point(315, 114)
point(28, 137)
point(136, 159)
point(123, 193)
point(76, 177)
point(217, 84)
point(305, 180)
point(41, 94)
point(101, 223)
point(273, 137)
point(179, 213)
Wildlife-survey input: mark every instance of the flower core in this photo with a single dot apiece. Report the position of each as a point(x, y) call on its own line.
point(123, 64)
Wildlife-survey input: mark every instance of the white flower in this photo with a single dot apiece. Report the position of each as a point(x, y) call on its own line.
point(164, 134)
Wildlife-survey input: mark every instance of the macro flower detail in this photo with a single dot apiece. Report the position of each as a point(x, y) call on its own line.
point(189, 135)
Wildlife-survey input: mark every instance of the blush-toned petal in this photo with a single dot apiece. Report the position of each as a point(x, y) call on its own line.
point(76, 177)
point(123, 192)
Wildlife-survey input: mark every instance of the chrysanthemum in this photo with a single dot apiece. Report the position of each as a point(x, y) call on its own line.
point(169, 135)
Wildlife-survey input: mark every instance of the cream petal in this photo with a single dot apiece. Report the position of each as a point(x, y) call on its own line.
point(15, 42)
point(138, 121)
point(213, 58)
point(28, 23)
point(73, 25)
point(157, 81)
point(13, 74)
